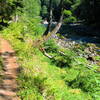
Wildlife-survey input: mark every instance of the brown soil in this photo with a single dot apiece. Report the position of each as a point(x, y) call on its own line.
point(8, 87)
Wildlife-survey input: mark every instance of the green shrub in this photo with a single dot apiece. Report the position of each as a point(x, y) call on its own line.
point(50, 46)
point(88, 81)
point(67, 13)
point(70, 19)
point(44, 12)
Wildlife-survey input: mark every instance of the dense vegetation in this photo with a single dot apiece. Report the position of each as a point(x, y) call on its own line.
point(63, 74)
point(85, 10)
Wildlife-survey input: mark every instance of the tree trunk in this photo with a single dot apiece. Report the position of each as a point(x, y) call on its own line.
point(55, 30)
point(49, 34)
point(49, 18)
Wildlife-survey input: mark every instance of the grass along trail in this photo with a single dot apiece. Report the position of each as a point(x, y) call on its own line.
point(8, 87)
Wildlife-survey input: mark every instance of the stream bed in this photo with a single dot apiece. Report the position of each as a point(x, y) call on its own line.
point(81, 33)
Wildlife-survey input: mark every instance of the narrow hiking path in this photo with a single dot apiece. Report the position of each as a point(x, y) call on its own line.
point(8, 87)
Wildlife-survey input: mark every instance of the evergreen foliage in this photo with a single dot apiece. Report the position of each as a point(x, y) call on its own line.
point(88, 10)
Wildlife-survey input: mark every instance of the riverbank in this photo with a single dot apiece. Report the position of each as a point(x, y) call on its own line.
point(81, 33)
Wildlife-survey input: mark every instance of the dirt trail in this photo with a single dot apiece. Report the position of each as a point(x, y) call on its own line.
point(8, 86)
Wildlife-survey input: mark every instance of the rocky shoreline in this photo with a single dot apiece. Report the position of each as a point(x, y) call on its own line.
point(90, 51)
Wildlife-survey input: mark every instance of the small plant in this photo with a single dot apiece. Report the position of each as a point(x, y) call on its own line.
point(51, 46)
point(88, 81)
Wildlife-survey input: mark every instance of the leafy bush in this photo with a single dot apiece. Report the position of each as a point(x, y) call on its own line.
point(31, 8)
point(70, 19)
point(89, 82)
point(67, 13)
point(44, 12)
point(50, 46)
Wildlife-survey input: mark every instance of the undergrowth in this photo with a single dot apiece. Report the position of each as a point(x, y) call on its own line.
point(64, 77)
